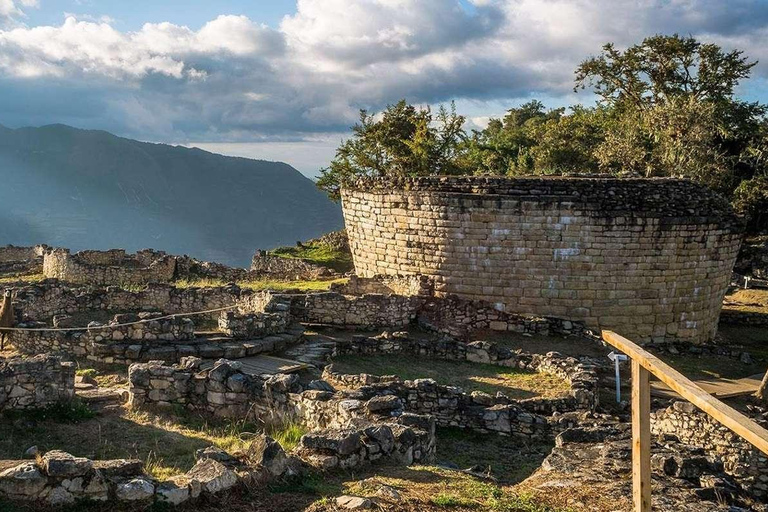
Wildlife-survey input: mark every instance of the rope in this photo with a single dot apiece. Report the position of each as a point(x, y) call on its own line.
point(112, 326)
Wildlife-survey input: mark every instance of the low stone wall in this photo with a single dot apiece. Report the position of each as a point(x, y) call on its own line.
point(35, 383)
point(109, 267)
point(288, 269)
point(452, 407)
point(40, 302)
point(407, 440)
point(581, 376)
point(346, 432)
point(460, 317)
point(226, 391)
point(368, 311)
point(101, 341)
point(60, 479)
point(252, 325)
point(96, 344)
point(743, 462)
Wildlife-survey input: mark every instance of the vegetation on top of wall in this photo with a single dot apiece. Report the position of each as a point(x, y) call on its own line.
point(330, 251)
point(666, 107)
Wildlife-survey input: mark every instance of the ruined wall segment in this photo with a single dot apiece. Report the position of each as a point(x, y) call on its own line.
point(649, 258)
point(109, 267)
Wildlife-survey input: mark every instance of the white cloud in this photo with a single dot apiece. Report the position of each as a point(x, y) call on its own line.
point(235, 78)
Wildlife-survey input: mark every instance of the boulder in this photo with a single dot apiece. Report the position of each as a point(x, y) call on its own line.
point(268, 453)
point(212, 475)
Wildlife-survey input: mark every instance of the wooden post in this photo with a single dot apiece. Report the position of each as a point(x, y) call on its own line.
point(641, 437)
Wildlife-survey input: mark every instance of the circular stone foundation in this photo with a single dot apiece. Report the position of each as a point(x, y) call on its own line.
point(648, 258)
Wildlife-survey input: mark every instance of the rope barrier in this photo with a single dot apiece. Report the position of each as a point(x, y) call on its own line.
point(112, 326)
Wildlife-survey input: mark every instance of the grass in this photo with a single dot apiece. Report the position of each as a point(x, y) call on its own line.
point(513, 382)
point(166, 441)
point(508, 460)
point(433, 488)
point(318, 254)
point(260, 285)
point(22, 278)
point(744, 338)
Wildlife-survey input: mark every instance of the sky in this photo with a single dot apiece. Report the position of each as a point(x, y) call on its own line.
point(284, 80)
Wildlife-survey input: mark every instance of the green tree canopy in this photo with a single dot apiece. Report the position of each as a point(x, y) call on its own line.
point(666, 107)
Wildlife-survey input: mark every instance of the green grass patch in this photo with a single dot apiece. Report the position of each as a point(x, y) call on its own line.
point(508, 460)
point(513, 382)
point(71, 412)
point(433, 488)
point(165, 440)
point(288, 434)
point(737, 337)
point(22, 278)
point(318, 254)
point(260, 285)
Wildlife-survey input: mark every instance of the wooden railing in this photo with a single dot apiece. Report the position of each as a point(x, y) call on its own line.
point(643, 365)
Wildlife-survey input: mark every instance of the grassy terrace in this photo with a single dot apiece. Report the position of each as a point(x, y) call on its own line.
point(319, 254)
point(513, 382)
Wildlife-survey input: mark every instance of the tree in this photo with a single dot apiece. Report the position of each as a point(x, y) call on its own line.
point(675, 113)
point(403, 141)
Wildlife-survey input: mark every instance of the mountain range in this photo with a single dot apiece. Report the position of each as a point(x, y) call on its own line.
point(90, 189)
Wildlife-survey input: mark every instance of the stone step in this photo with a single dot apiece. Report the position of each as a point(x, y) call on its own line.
point(213, 347)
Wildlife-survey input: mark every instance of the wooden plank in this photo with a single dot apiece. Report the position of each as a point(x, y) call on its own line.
point(726, 415)
point(720, 388)
point(641, 437)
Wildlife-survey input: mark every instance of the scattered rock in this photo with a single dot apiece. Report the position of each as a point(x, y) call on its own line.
point(353, 503)
point(212, 475)
point(389, 493)
point(268, 453)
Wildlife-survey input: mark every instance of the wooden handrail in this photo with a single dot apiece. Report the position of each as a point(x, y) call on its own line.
point(645, 363)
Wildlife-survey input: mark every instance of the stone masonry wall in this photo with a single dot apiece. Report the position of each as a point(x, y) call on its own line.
point(747, 465)
point(276, 267)
point(371, 310)
point(21, 260)
point(650, 259)
point(35, 383)
point(580, 375)
point(109, 267)
point(42, 301)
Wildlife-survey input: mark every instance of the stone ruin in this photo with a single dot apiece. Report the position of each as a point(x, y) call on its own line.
point(649, 258)
point(115, 266)
point(22, 260)
point(109, 267)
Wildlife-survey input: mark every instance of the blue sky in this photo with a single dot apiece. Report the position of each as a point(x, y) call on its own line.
point(284, 80)
point(131, 15)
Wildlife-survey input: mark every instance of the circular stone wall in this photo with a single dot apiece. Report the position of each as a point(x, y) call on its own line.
point(648, 258)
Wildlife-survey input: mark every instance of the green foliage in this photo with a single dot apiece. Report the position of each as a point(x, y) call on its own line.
point(404, 141)
point(751, 200)
point(666, 108)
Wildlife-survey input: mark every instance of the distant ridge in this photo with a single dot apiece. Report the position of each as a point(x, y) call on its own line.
point(90, 189)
